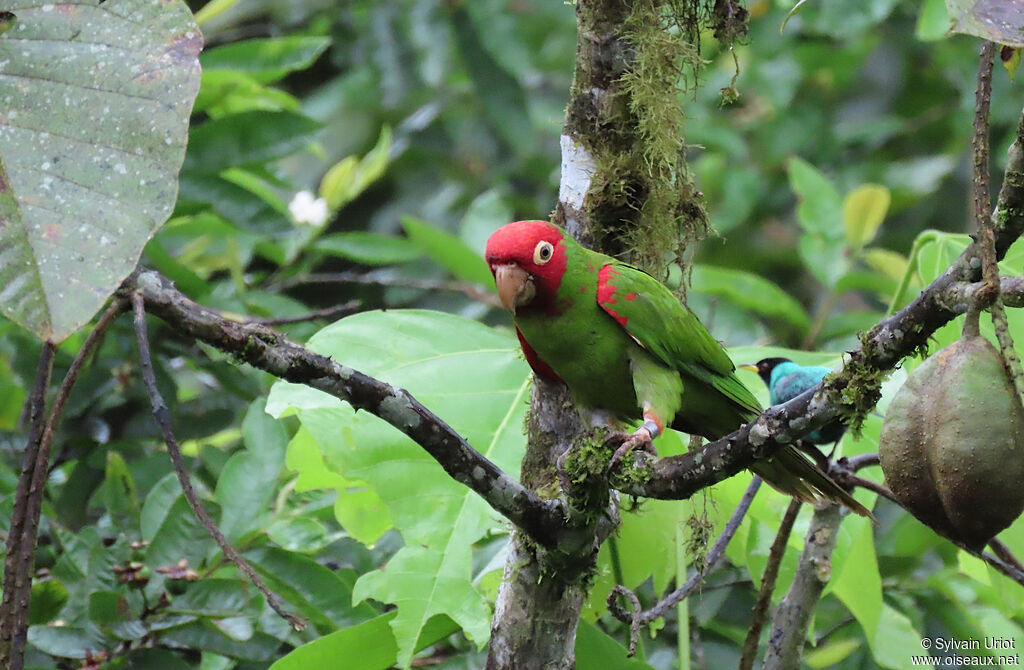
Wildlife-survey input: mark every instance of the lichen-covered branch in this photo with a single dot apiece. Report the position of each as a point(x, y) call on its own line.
point(268, 350)
point(792, 619)
point(844, 393)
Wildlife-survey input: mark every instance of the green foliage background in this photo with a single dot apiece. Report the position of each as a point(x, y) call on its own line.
point(837, 186)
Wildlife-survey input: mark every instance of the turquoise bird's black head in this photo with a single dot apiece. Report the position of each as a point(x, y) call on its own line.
point(764, 368)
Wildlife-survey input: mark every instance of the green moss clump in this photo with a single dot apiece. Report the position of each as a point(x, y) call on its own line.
point(857, 397)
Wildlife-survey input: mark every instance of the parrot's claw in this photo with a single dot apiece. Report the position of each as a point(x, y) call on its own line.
point(641, 438)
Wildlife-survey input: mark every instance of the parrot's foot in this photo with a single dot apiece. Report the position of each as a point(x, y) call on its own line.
point(642, 438)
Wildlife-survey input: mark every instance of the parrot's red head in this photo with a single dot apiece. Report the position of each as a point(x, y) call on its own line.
point(527, 259)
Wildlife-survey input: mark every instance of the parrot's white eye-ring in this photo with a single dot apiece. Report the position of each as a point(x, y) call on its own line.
point(543, 252)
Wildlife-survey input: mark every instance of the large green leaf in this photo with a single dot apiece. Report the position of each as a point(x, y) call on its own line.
point(449, 251)
point(750, 292)
point(473, 377)
point(322, 595)
point(246, 484)
point(595, 650)
point(266, 59)
point(96, 100)
point(368, 646)
point(820, 209)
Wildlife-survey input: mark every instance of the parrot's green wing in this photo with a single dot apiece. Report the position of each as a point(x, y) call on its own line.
point(659, 323)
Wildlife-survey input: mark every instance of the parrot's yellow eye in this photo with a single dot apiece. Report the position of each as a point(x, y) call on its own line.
point(542, 252)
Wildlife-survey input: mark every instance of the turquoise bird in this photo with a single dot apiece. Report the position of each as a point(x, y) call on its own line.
point(786, 380)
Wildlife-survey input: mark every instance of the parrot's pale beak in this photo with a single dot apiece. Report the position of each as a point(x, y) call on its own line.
point(747, 366)
point(515, 286)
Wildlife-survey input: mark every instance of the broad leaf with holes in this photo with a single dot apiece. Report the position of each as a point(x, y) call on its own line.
point(96, 101)
point(472, 377)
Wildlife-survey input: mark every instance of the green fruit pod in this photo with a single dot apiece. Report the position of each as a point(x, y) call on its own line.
point(952, 443)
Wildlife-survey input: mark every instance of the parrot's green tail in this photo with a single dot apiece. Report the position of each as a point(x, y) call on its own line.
point(792, 473)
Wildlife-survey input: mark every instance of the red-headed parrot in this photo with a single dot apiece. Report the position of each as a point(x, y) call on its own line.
point(627, 348)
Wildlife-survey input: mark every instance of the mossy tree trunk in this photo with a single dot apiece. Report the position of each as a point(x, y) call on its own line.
point(623, 191)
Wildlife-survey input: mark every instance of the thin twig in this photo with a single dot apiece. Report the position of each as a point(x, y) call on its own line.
point(982, 209)
point(1004, 554)
point(469, 289)
point(17, 563)
point(325, 314)
point(162, 415)
point(637, 618)
point(860, 461)
point(771, 574)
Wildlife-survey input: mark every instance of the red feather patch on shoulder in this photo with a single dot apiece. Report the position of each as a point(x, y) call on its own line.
point(538, 365)
point(606, 292)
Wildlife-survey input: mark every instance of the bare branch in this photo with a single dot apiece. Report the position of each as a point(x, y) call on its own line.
point(18, 561)
point(764, 597)
point(792, 619)
point(31, 486)
point(162, 415)
point(268, 350)
point(859, 461)
point(637, 618)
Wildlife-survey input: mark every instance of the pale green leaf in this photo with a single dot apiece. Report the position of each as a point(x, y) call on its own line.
point(474, 379)
point(488, 212)
point(449, 251)
point(864, 210)
point(367, 646)
point(889, 263)
point(266, 59)
point(103, 150)
point(820, 209)
point(359, 509)
point(933, 22)
point(750, 292)
point(596, 650)
point(831, 654)
point(896, 639)
point(857, 581)
point(825, 257)
point(351, 176)
point(427, 582)
point(368, 248)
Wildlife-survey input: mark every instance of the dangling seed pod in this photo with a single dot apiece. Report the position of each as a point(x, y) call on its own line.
point(952, 443)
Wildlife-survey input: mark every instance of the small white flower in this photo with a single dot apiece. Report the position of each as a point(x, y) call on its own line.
point(305, 208)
